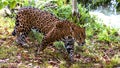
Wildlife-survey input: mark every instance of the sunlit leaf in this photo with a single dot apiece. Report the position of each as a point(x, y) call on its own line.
point(1, 5)
point(13, 4)
point(5, 3)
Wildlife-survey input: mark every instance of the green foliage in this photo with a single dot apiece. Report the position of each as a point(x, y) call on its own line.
point(6, 52)
point(63, 64)
point(107, 34)
point(10, 3)
point(115, 59)
point(60, 2)
point(36, 35)
point(26, 3)
point(29, 3)
point(103, 36)
point(100, 31)
point(59, 45)
point(65, 12)
point(84, 15)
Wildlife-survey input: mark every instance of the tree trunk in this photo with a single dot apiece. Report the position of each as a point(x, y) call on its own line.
point(74, 7)
point(75, 13)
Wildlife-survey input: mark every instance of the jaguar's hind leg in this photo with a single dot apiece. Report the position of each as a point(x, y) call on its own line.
point(49, 38)
point(21, 40)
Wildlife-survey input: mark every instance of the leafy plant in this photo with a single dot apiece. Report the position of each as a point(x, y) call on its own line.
point(115, 59)
point(36, 36)
point(10, 3)
point(59, 45)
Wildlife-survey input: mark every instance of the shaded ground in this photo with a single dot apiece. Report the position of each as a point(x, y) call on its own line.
point(93, 54)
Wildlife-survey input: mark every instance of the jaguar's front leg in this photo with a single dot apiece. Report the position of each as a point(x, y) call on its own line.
point(69, 45)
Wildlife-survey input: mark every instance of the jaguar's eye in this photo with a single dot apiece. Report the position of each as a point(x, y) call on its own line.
point(79, 37)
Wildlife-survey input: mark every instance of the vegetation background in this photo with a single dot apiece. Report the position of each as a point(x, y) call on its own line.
point(102, 48)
